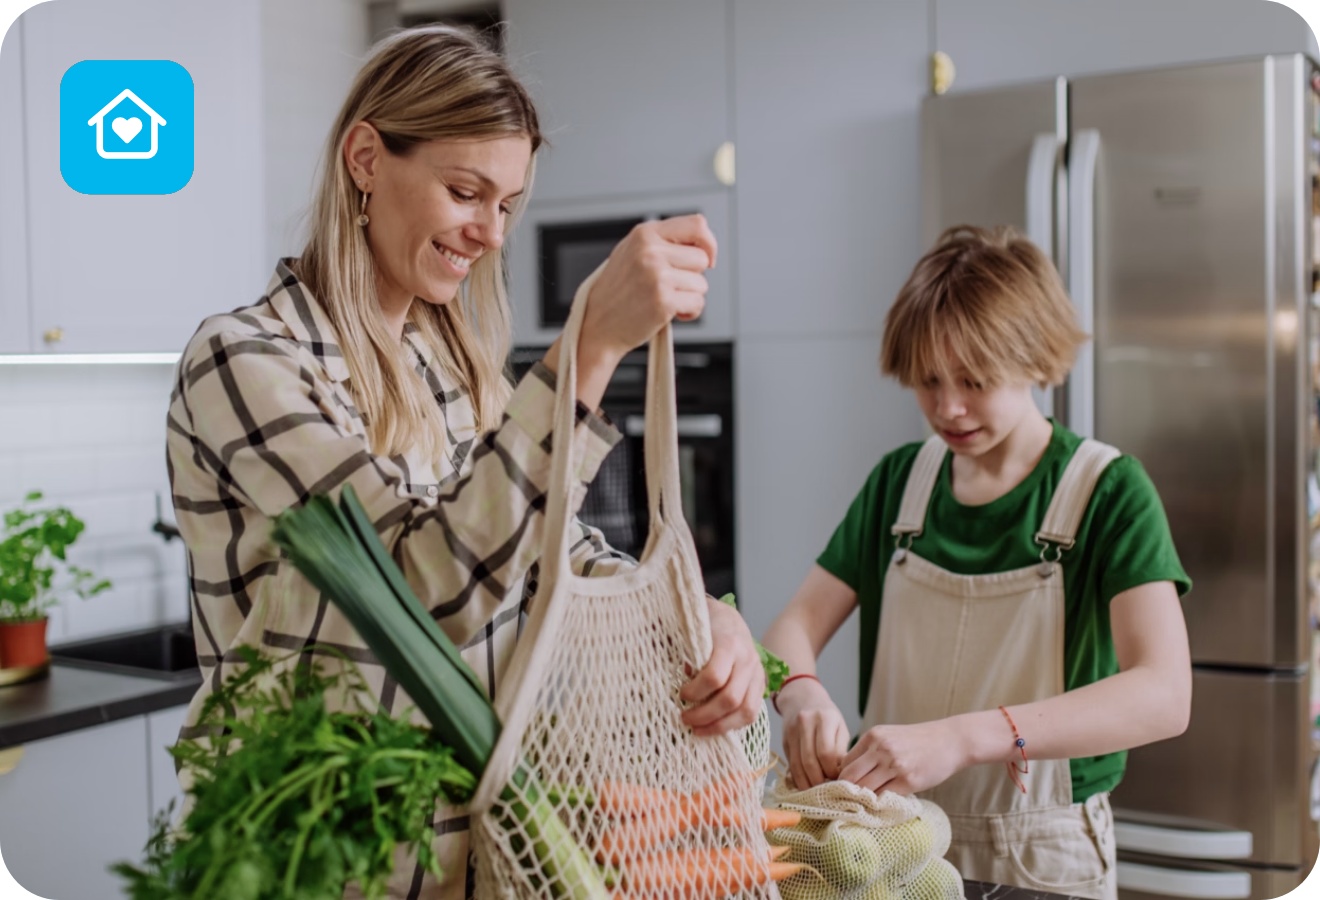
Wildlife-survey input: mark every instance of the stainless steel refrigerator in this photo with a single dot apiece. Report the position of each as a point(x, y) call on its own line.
point(1180, 206)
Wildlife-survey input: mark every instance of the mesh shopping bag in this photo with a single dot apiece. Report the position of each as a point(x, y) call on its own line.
point(596, 788)
point(860, 845)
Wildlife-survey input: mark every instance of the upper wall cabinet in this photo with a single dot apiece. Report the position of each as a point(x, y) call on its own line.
point(14, 321)
point(1022, 40)
point(633, 97)
point(828, 215)
point(117, 272)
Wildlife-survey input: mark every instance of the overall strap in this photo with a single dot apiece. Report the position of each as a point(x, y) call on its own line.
point(920, 483)
point(1073, 494)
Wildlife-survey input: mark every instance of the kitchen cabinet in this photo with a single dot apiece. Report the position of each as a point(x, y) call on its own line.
point(633, 96)
point(827, 98)
point(814, 418)
point(74, 805)
point(139, 272)
point(1020, 40)
point(14, 314)
point(162, 733)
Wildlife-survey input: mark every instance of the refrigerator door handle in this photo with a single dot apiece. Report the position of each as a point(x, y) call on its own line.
point(1183, 842)
point(1183, 883)
point(1083, 163)
point(1042, 167)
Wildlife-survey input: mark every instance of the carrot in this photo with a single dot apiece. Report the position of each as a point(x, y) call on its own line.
point(779, 818)
point(713, 873)
point(621, 799)
point(778, 853)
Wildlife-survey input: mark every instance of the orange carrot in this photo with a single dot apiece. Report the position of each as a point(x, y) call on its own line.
point(778, 853)
point(709, 873)
point(779, 818)
point(621, 799)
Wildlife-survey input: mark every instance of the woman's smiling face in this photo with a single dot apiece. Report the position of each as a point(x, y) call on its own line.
point(436, 209)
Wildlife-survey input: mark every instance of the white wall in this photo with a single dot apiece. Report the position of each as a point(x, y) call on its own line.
point(93, 439)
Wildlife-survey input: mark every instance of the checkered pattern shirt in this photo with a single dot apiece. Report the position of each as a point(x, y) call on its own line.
point(262, 417)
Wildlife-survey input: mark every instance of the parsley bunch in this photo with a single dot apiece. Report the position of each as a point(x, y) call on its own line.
point(293, 801)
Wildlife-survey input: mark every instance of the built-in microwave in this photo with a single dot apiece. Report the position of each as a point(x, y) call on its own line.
point(558, 244)
point(567, 252)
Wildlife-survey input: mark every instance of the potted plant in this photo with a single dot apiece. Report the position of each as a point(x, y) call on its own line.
point(34, 574)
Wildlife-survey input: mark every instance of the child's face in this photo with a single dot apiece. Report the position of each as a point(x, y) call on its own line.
point(973, 418)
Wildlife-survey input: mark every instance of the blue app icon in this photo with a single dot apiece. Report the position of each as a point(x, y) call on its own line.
point(126, 126)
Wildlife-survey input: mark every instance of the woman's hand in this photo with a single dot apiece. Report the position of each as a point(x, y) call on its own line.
point(815, 733)
point(652, 276)
point(906, 758)
point(727, 693)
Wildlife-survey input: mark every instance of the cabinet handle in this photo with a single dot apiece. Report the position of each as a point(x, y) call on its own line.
point(53, 335)
point(9, 758)
point(724, 170)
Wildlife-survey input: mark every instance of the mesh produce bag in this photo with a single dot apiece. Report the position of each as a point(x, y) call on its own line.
point(596, 788)
point(860, 845)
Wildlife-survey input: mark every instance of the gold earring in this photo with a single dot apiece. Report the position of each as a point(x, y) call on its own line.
point(362, 218)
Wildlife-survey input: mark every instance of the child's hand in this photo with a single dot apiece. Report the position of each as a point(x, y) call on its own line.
point(815, 734)
point(905, 758)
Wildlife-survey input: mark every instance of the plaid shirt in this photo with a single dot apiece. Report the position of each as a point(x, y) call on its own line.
point(262, 417)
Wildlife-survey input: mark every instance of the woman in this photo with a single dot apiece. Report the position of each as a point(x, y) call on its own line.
point(376, 359)
point(1018, 588)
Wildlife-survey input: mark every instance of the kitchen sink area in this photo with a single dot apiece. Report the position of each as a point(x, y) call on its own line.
point(165, 651)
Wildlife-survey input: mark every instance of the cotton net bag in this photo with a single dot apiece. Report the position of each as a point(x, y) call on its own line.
point(595, 787)
point(860, 845)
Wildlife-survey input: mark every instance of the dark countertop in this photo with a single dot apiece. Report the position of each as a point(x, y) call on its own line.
point(79, 695)
point(980, 890)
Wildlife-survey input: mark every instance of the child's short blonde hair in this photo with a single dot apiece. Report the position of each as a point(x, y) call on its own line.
point(988, 298)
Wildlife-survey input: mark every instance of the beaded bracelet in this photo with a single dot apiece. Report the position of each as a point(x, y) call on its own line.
point(774, 698)
point(1021, 745)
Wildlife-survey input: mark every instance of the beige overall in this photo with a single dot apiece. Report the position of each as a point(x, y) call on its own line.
point(951, 644)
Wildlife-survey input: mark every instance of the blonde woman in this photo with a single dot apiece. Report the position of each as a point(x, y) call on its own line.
point(1018, 588)
point(376, 359)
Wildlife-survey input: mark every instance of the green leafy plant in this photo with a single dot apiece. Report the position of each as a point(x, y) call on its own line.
point(293, 801)
point(34, 568)
point(776, 670)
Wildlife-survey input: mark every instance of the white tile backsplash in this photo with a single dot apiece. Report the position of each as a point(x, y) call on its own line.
point(93, 439)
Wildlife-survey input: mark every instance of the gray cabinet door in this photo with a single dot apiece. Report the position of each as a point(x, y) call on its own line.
point(633, 96)
point(74, 805)
point(828, 200)
point(814, 417)
point(14, 322)
point(162, 733)
point(131, 273)
point(1024, 40)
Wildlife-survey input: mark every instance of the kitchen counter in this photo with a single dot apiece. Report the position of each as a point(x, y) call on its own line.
point(980, 890)
point(79, 696)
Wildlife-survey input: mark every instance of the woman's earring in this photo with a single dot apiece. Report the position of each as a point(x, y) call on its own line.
point(362, 218)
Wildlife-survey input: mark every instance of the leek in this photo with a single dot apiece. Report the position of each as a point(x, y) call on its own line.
point(339, 552)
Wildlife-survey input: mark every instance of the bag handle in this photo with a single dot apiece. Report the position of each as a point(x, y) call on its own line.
point(536, 644)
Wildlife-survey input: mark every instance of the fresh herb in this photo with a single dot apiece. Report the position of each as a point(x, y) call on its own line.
point(776, 670)
point(337, 548)
point(291, 800)
point(33, 552)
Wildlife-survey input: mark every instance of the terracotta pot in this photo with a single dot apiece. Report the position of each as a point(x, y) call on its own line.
point(23, 644)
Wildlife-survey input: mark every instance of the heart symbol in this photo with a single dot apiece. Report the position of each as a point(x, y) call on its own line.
point(127, 129)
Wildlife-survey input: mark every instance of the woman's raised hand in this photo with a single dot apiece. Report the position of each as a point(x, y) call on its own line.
point(655, 274)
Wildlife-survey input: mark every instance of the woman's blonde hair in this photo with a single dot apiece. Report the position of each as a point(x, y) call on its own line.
point(421, 84)
point(989, 299)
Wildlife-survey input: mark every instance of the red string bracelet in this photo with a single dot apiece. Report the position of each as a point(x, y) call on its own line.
point(1021, 745)
point(774, 698)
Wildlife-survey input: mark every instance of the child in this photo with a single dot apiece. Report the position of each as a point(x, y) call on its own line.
point(1018, 588)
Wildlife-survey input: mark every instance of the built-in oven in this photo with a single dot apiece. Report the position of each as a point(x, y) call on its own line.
point(616, 499)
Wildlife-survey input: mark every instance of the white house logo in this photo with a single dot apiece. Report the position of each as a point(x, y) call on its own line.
point(126, 128)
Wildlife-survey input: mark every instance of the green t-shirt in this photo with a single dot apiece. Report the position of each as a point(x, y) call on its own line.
point(1123, 542)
